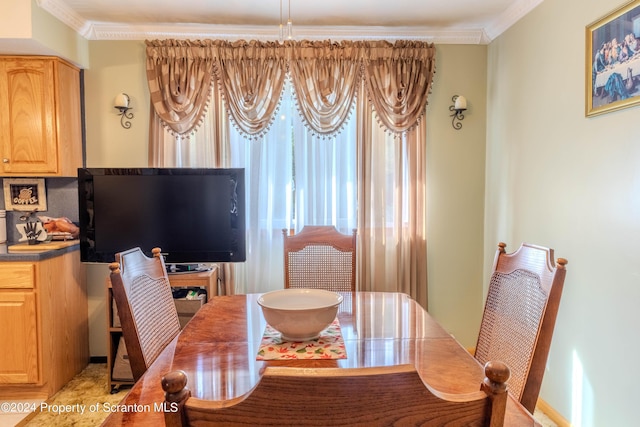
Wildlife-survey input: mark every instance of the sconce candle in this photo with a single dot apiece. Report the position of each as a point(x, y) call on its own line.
point(461, 103)
point(121, 101)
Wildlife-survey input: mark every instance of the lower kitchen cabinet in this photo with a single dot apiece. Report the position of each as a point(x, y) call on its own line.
point(44, 333)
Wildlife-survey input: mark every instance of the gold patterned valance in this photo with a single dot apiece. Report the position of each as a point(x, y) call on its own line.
point(326, 78)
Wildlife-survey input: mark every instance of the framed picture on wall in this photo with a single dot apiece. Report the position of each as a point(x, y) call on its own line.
point(613, 60)
point(25, 194)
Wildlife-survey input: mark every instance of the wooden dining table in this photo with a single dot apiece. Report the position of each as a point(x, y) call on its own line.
point(218, 351)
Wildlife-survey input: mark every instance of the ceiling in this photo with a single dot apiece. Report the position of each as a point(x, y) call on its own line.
point(439, 21)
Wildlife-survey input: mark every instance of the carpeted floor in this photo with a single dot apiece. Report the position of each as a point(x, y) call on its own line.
point(89, 389)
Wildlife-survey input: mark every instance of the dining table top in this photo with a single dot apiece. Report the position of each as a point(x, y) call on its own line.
point(218, 350)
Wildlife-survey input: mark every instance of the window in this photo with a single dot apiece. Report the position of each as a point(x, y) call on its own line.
point(293, 178)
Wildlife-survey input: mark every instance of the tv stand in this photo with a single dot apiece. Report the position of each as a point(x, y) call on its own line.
point(187, 268)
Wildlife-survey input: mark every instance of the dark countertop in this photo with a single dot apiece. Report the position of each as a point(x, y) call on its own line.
point(34, 256)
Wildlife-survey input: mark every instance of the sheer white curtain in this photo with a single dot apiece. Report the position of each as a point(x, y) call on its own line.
point(293, 178)
point(268, 183)
point(325, 178)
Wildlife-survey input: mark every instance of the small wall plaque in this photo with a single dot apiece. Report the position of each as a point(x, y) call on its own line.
point(25, 194)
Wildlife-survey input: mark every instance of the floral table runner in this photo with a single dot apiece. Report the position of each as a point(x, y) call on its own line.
point(329, 345)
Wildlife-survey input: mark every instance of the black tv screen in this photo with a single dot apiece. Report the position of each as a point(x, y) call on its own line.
point(193, 215)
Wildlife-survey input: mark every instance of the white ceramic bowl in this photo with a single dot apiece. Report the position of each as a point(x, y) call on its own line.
point(300, 314)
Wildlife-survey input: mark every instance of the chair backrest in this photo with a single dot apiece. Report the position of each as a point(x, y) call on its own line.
point(380, 396)
point(520, 315)
point(320, 257)
point(145, 305)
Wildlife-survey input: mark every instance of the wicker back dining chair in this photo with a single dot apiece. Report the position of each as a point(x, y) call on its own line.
point(145, 305)
point(520, 315)
point(320, 257)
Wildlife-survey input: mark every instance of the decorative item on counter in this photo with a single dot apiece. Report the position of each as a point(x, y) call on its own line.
point(60, 228)
point(31, 230)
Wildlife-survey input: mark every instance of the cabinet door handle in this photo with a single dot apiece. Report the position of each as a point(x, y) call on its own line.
point(5, 160)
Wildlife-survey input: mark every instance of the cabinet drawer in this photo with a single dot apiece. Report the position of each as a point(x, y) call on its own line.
point(17, 275)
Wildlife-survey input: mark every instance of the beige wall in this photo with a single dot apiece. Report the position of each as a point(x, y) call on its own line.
point(455, 200)
point(58, 37)
point(116, 66)
point(559, 179)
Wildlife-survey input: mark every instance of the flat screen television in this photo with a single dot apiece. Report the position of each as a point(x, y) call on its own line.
point(193, 215)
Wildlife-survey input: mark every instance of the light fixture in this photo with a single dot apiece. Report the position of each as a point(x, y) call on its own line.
point(281, 34)
point(289, 24)
point(121, 103)
point(458, 107)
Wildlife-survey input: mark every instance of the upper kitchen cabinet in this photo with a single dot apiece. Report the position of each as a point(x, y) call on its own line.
point(41, 122)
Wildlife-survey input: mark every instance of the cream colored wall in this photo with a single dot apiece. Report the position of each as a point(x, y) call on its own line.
point(455, 186)
point(559, 179)
point(116, 66)
point(60, 38)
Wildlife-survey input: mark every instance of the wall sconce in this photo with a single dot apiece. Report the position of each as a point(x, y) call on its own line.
point(458, 107)
point(121, 103)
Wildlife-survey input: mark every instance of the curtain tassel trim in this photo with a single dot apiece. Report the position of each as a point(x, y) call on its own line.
point(326, 77)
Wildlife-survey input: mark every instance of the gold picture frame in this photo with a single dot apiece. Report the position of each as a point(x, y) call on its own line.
point(613, 60)
point(25, 194)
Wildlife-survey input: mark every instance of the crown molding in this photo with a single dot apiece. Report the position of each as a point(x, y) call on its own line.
point(65, 14)
point(115, 31)
point(513, 14)
point(236, 32)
